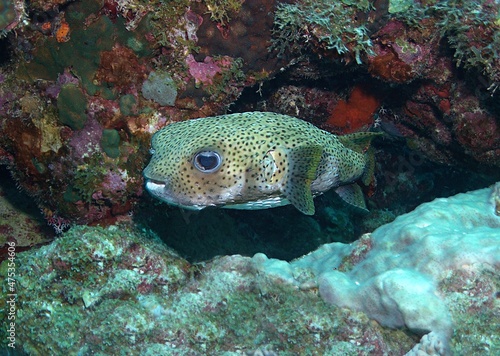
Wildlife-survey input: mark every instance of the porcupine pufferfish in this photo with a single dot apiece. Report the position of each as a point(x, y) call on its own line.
point(254, 160)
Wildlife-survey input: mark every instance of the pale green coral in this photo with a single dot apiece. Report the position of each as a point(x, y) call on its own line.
point(396, 6)
point(220, 10)
point(161, 88)
point(332, 23)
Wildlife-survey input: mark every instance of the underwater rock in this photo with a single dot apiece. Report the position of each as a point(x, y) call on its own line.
point(449, 124)
point(20, 222)
point(420, 272)
point(117, 290)
point(72, 104)
point(433, 271)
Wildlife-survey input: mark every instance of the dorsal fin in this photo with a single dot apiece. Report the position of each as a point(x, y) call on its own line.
point(359, 141)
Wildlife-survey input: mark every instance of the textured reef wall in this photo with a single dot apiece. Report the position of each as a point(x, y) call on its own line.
point(90, 81)
point(432, 273)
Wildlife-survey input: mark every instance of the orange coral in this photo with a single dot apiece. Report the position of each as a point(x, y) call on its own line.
point(46, 27)
point(62, 33)
point(355, 113)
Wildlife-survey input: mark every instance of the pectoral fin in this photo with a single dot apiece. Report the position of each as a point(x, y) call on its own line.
point(301, 164)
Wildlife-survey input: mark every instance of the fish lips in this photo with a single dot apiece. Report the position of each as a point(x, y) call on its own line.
point(160, 191)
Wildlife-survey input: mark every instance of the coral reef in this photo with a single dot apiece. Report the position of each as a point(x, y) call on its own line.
point(84, 85)
point(395, 59)
point(119, 290)
point(12, 16)
point(160, 87)
point(338, 26)
point(411, 272)
point(77, 110)
point(450, 125)
point(495, 198)
point(72, 104)
point(89, 82)
point(115, 290)
point(472, 31)
point(76, 102)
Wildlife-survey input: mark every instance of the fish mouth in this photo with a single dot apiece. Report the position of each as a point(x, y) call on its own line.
point(155, 182)
point(159, 189)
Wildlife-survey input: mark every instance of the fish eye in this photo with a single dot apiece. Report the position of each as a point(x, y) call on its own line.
point(207, 161)
point(152, 151)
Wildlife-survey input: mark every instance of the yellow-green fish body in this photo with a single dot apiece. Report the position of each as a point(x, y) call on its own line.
point(252, 160)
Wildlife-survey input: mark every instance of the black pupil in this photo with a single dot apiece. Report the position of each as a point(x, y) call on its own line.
point(208, 162)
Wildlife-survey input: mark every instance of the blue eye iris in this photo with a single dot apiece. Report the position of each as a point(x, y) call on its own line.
point(207, 161)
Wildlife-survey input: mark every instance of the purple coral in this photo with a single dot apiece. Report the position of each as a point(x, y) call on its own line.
point(115, 181)
point(85, 142)
point(202, 72)
point(63, 78)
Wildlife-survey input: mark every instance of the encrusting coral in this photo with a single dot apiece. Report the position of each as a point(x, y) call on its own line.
point(407, 273)
point(433, 271)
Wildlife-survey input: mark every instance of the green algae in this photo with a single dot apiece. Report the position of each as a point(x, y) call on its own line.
point(222, 10)
point(334, 24)
point(87, 179)
point(127, 103)
point(161, 88)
